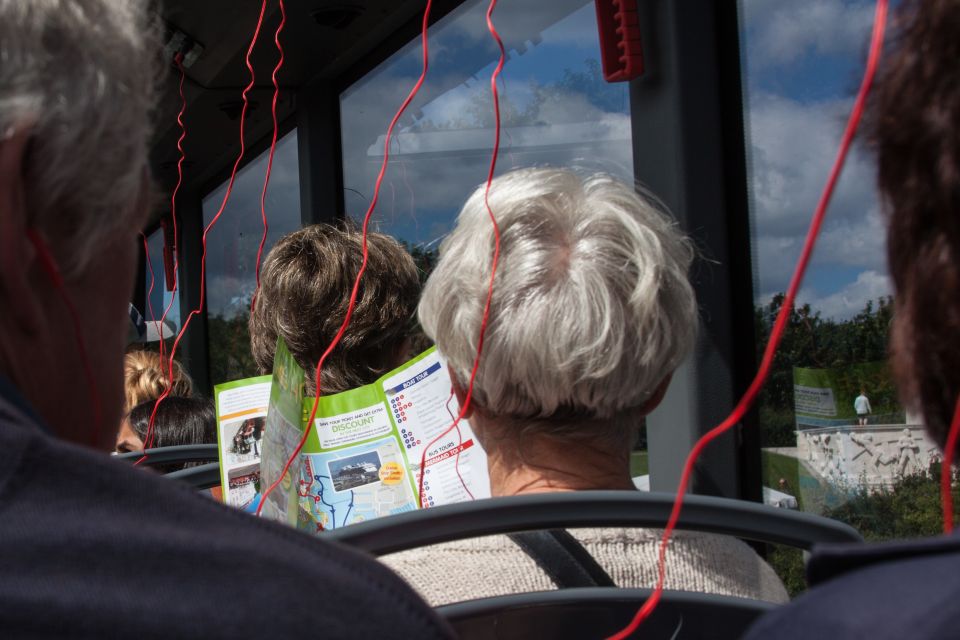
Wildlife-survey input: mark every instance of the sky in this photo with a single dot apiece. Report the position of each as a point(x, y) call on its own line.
point(801, 67)
point(442, 147)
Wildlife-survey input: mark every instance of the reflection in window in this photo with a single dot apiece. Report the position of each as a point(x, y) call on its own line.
point(835, 436)
point(556, 110)
point(160, 298)
point(232, 253)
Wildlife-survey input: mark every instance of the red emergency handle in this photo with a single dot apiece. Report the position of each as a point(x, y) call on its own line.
point(620, 47)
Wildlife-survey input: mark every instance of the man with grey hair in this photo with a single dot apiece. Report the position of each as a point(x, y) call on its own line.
point(91, 547)
point(592, 311)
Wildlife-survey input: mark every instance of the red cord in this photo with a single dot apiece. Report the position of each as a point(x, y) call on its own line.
point(946, 497)
point(456, 463)
point(168, 369)
point(49, 266)
point(876, 46)
point(496, 246)
point(363, 265)
point(206, 231)
point(178, 60)
point(273, 148)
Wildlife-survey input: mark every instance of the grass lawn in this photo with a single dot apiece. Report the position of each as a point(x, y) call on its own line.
point(639, 464)
point(776, 466)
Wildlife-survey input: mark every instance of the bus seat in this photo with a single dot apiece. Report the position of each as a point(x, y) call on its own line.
point(172, 455)
point(201, 477)
point(708, 514)
point(595, 611)
point(598, 612)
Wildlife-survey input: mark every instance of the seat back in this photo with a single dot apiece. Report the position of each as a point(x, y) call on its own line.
point(173, 455)
point(596, 612)
point(571, 510)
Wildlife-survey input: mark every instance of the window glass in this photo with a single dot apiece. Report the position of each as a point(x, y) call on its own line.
point(160, 298)
point(232, 253)
point(834, 436)
point(556, 109)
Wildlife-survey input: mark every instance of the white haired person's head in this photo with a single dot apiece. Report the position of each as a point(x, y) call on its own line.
point(78, 78)
point(77, 85)
point(592, 308)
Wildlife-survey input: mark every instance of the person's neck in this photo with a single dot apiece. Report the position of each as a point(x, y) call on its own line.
point(541, 464)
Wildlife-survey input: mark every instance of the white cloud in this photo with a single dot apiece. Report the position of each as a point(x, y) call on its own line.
point(792, 147)
point(850, 300)
point(442, 167)
point(232, 243)
point(780, 32)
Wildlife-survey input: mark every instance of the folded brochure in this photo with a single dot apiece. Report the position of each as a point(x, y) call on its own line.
point(361, 459)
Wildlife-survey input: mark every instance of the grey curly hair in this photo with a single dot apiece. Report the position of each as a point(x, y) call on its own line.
point(80, 75)
point(592, 307)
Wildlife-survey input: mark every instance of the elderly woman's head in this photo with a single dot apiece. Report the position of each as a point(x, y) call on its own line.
point(76, 88)
point(592, 309)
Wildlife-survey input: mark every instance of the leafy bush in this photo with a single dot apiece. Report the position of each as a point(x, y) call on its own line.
point(908, 509)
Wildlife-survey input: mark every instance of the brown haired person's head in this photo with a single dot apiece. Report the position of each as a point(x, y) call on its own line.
point(305, 287)
point(916, 132)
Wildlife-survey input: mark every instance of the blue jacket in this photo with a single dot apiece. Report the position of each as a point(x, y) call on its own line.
point(93, 548)
point(905, 589)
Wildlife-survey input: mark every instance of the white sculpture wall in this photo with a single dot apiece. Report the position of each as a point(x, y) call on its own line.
point(873, 456)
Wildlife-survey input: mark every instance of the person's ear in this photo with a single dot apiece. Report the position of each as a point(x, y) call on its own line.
point(460, 392)
point(654, 401)
point(20, 269)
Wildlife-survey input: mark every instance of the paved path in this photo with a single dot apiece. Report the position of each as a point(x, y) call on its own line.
point(784, 451)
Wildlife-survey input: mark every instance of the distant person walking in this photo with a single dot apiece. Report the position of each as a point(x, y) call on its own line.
point(862, 406)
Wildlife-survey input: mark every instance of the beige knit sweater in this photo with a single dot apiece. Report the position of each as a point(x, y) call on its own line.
point(494, 565)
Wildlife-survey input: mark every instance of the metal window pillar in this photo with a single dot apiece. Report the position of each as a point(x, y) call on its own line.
point(318, 141)
point(193, 351)
point(687, 126)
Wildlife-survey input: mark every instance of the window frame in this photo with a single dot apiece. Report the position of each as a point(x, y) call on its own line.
point(677, 40)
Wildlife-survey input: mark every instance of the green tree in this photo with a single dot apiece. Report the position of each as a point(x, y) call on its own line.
point(230, 357)
point(812, 341)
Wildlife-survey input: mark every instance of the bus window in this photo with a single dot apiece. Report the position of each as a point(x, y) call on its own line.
point(232, 253)
point(160, 299)
point(835, 439)
point(556, 110)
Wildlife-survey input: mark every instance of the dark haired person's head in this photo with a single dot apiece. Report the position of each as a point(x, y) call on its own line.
point(916, 132)
point(179, 421)
point(305, 286)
